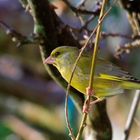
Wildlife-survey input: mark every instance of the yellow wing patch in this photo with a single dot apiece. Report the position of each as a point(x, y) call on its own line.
point(110, 77)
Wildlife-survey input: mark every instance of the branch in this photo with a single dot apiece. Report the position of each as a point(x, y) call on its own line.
point(133, 10)
point(16, 36)
point(127, 47)
point(104, 35)
point(133, 13)
point(69, 84)
point(49, 28)
point(92, 72)
point(131, 115)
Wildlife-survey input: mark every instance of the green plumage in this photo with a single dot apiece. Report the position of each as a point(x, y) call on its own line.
point(109, 79)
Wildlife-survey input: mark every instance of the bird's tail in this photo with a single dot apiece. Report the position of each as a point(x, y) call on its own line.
point(130, 85)
point(126, 83)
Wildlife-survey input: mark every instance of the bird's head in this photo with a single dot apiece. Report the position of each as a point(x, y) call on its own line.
point(62, 56)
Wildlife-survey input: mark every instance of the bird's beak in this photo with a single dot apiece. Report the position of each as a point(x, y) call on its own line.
point(49, 60)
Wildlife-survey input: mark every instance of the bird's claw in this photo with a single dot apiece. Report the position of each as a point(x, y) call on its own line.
point(86, 108)
point(89, 91)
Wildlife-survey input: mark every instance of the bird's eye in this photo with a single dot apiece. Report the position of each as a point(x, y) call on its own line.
point(57, 53)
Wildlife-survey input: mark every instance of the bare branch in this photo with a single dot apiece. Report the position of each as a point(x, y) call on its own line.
point(19, 38)
point(131, 115)
point(127, 48)
point(104, 35)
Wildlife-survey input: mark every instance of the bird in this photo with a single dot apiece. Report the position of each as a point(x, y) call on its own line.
point(109, 79)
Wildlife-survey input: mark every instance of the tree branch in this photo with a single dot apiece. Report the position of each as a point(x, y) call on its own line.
point(46, 26)
point(131, 115)
point(133, 11)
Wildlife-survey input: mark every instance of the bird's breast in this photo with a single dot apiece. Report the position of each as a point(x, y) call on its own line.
point(79, 80)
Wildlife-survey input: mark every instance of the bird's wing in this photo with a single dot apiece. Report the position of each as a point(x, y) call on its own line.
point(84, 64)
point(104, 69)
point(108, 70)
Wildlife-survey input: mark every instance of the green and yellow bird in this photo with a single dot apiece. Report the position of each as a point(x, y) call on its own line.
point(109, 79)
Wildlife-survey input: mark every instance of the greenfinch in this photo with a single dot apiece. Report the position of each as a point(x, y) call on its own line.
point(109, 80)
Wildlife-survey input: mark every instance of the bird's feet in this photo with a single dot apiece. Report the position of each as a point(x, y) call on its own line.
point(96, 101)
point(87, 108)
point(89, 91)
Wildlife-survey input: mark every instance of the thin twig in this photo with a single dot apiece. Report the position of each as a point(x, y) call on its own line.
point(73, 70)
point(104, 35)
point(131, 115)
point(13, 33)
point(136, 30)
point(126, 48)
point(69, 84)
point(92, 72)
point(87, 22)
point(18, 37)
point(96, 46)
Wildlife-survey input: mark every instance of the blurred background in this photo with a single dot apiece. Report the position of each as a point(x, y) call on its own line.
point(31, 103)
